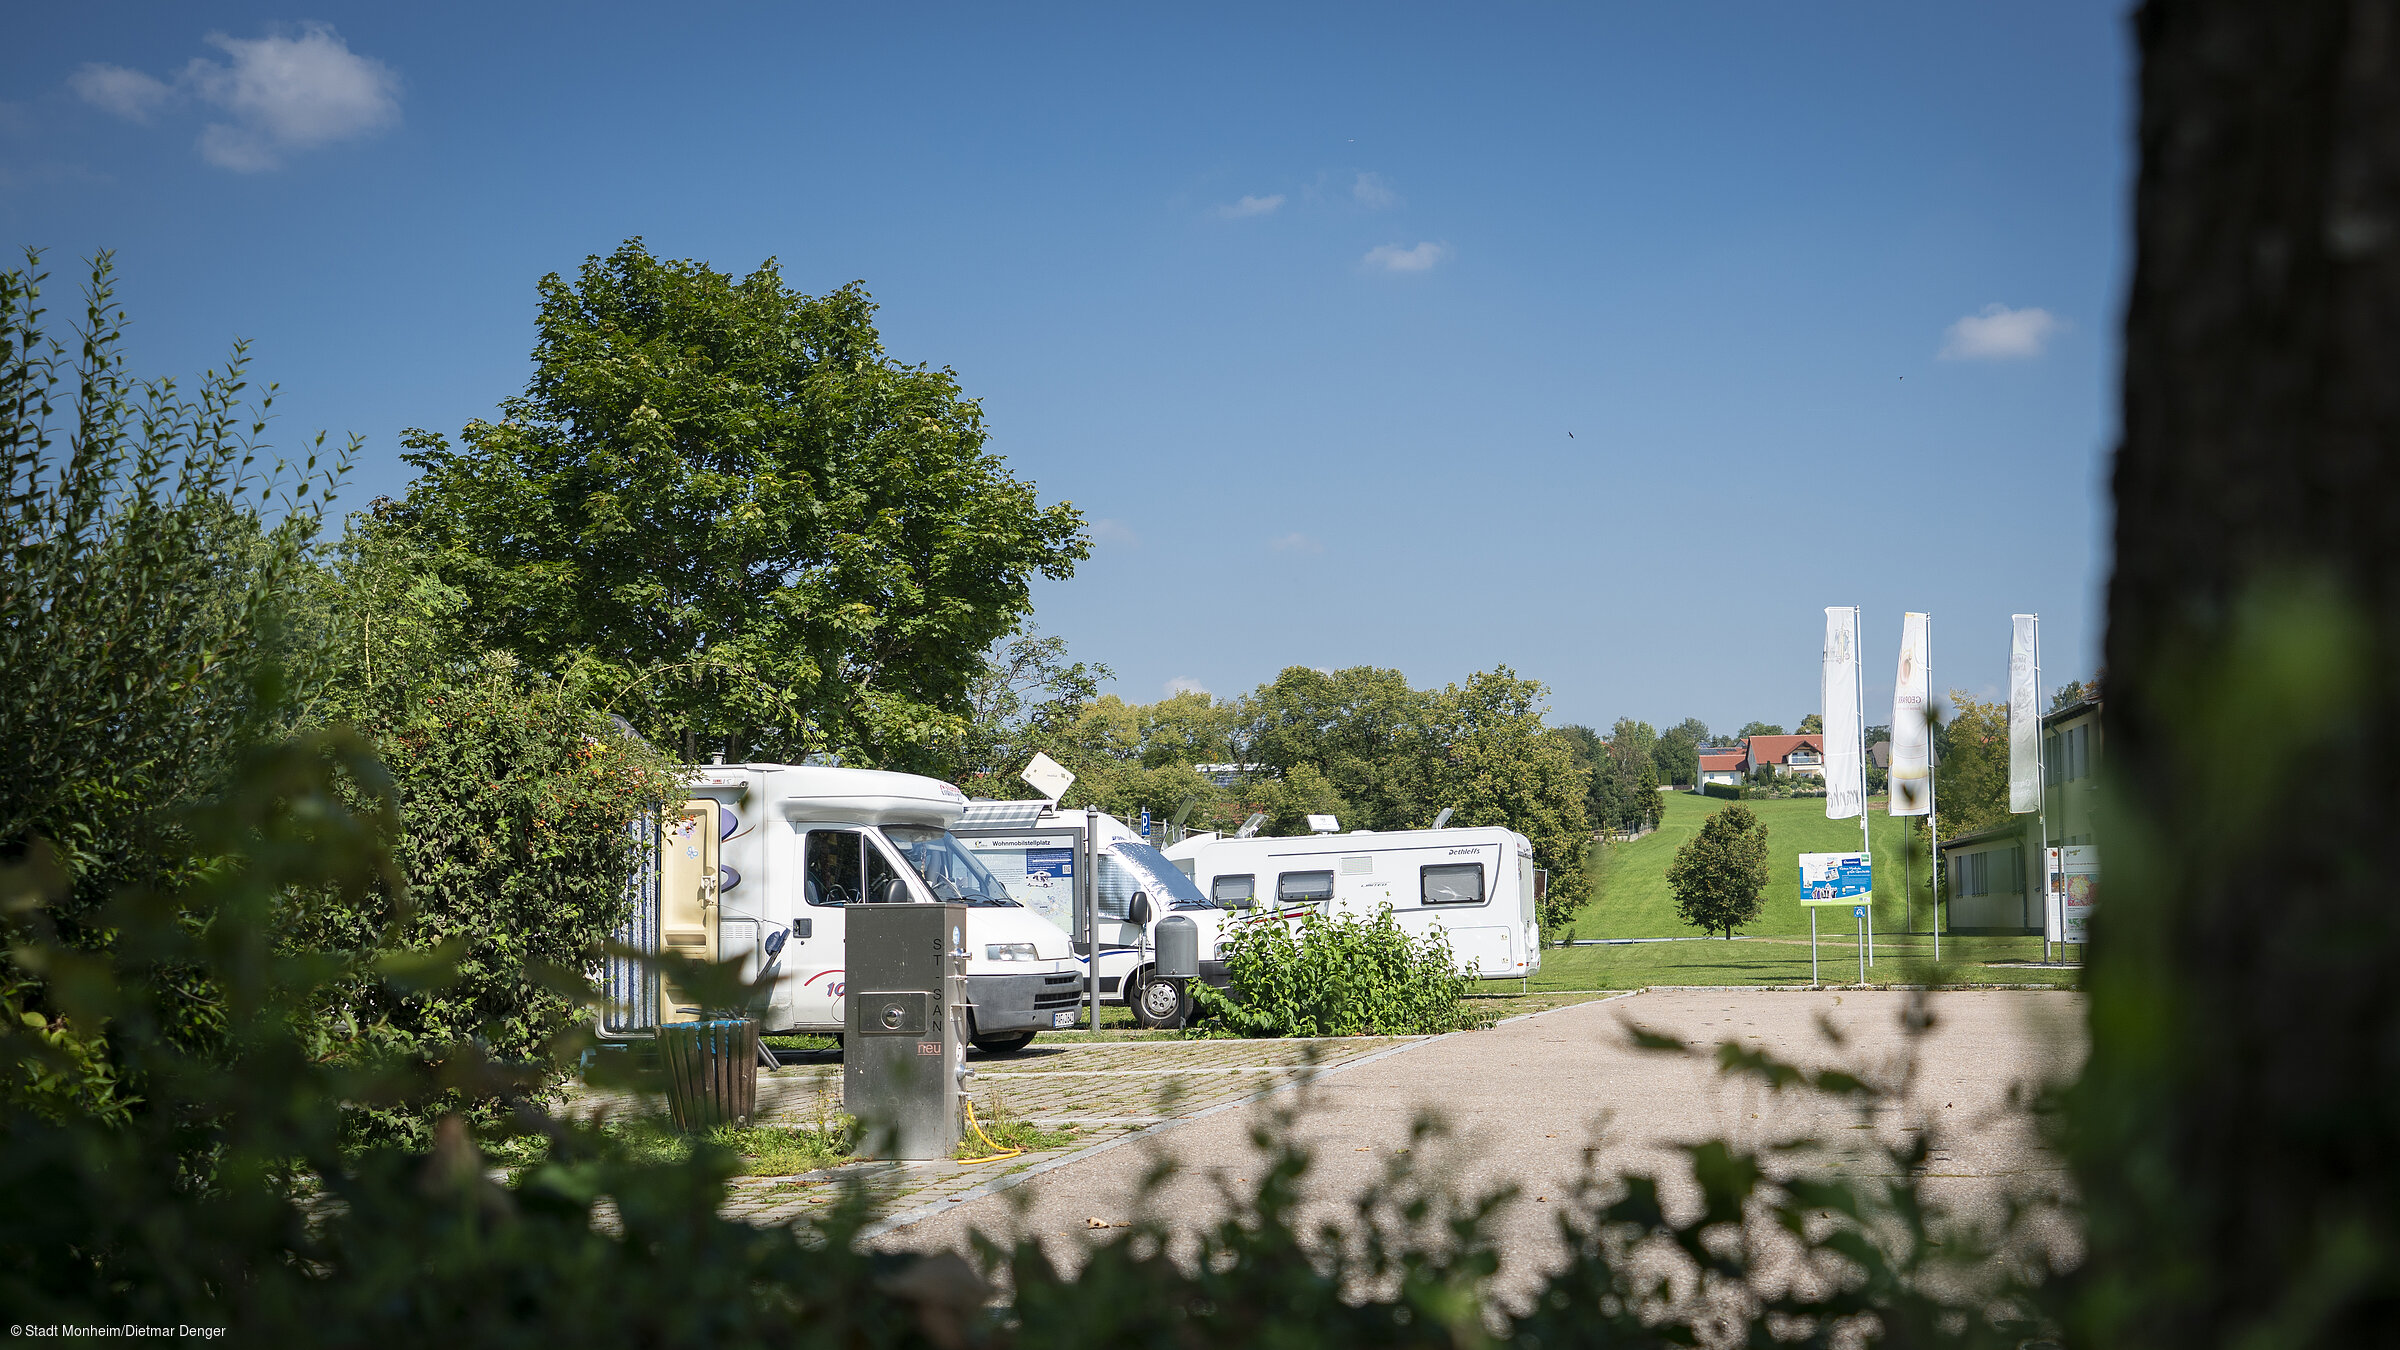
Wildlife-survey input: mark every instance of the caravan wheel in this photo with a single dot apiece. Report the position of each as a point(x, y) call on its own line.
point(1160, 1002)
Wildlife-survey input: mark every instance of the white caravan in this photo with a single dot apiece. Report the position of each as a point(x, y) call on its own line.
point(1032, 847)
point(760, 862)
point(1477, 886)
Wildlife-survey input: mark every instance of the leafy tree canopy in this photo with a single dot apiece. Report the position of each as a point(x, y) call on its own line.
point(1973, 787)
point(1719, 874)
point(774, 537)
point(1676, 753)
point(1812, 725)
point(1750, 729)
point(2076, 691)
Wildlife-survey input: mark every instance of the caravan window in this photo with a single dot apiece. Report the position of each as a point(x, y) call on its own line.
point(835, 867)
point(1303, 888)
point(948, 869)
point(1451, 884)
point(844, 868)
point(1117, 883)
point(1226, 890)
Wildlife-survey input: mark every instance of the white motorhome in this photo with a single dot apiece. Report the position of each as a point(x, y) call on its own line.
point(1478, 886)
point(1032, 847)
point(760, 862)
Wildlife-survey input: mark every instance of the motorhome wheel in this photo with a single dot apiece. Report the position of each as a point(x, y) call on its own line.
point(1160, 1002)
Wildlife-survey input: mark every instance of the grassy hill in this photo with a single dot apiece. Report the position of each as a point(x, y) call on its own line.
point(1631, 900)
point(1629, 881)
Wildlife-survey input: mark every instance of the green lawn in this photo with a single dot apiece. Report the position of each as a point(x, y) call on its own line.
point(1630, 900)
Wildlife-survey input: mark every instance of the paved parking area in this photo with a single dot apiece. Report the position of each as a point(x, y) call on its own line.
point(1108, 1091)
point(1527, 1102)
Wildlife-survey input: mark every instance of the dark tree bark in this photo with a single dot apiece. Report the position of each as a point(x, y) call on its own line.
point(2237, 1134)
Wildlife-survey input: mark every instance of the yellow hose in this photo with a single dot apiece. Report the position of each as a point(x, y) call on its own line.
point(988, 1141)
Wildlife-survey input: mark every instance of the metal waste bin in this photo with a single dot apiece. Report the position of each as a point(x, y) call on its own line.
point(1178, 948)
point(712, 1071)
point(904, 1047)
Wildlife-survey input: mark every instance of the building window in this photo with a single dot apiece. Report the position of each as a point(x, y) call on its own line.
point(1972, 873)
point(1451, 884)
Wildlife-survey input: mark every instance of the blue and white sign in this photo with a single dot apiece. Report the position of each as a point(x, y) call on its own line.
point(1054, 864)
point(1836, 878)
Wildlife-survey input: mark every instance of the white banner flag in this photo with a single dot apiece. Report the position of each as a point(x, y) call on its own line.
point(2024, 717)
point(1845, 776)
point(1912, 740)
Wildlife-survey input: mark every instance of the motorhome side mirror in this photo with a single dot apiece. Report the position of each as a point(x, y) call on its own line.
point(1138, 913)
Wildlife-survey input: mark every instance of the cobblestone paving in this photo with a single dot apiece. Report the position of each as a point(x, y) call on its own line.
point(1104, 1090)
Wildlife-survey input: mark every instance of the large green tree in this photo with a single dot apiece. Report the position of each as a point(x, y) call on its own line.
point(1624, 793)
point(1719, 874)
point(1974, 782)
point(1494, 762)
point(774, 538)
point(1363, 728)
point(1676, 752)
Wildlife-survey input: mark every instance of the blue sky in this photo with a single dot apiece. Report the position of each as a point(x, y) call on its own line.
point(1299, 304)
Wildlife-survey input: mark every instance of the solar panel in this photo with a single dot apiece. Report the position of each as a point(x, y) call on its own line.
point(982, 815)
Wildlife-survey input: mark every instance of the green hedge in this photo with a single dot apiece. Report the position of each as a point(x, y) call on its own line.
point(1730, 792)
point(1335, 977)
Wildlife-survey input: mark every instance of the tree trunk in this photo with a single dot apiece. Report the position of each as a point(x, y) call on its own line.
point(2237, 1133)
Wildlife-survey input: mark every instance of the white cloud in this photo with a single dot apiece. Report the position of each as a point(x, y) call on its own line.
point(1393, 258)
point(273, 94)
point(2000, 334)
point(1296, 542)
point(1185, 684)
point(1111, 531)
point(1251, 206)
point(1374, 193)
point(129, 94)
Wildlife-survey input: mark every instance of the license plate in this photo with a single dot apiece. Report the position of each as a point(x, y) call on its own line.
point(1062, 1019)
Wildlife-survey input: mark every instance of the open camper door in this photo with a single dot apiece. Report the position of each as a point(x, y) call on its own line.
point(687, 895)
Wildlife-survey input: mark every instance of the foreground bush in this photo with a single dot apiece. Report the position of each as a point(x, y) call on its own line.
point(225, 1196)
point(1335, 977)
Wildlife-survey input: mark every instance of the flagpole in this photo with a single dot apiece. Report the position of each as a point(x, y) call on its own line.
point(1858, 687)
point(2041, 775)
point(1858, 690)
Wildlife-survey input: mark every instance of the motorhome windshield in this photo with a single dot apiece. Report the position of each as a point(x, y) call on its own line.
point(950, 871)
point(1165, 878)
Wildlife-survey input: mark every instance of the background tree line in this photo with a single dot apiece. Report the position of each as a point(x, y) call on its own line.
point(1360, 744)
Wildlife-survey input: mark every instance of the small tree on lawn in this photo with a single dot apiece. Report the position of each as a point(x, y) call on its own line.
point(1718, 873)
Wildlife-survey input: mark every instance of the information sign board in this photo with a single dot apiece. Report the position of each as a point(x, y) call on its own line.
point(2074, 883)
point(1835, 878)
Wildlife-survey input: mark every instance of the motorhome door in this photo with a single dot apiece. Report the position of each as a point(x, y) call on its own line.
point(687, 894)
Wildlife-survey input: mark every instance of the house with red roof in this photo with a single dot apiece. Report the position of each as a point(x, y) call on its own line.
point(1723, 764)
point(1785, 754)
